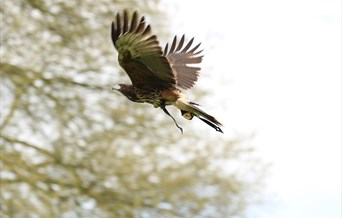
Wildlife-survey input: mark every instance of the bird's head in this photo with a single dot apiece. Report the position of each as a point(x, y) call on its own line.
point(123, 88)
point(117, 87)
point(126, 90)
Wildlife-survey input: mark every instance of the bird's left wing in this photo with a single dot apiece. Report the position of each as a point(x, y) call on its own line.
point(139, 52)
point(184, 61)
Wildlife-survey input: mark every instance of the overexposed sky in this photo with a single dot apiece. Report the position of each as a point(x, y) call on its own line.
point(275, 68)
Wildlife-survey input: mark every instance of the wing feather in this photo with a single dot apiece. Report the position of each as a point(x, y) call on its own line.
point(173, 46)
point(134, 22)
point(141, 26)
point(182, 62)
point(180, 45)
point(139, 52)
point(125, 22)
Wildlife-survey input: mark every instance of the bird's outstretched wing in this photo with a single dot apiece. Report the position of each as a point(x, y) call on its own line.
point(139, 52)
point(182, 61)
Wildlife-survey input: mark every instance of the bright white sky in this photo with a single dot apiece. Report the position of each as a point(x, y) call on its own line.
point(279, 65)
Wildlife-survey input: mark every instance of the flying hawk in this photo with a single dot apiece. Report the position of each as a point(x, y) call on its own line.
point(157, 76)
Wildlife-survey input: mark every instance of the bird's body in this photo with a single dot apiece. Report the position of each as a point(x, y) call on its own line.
point(155, 96)
point(157, 76)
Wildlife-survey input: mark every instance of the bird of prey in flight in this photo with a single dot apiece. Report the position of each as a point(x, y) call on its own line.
point(157, 76)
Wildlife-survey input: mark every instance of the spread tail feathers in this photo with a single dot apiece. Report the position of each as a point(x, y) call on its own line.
point(190, 109)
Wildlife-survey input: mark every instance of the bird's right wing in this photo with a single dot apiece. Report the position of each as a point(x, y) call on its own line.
point(139, 52)
point(182, 61)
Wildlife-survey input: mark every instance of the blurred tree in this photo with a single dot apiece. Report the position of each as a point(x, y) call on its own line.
point(71, 148)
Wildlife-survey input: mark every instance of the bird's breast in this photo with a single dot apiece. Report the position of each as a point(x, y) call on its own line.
point(157, 97)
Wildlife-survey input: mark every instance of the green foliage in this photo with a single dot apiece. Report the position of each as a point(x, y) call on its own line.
point(70, 147)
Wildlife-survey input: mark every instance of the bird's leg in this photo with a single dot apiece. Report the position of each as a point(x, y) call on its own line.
point(162, 106)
